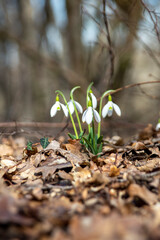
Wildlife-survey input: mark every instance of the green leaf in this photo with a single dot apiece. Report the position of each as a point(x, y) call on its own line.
point(89, 145)
point(90, 136)
point(91, 133)
point(99, 140)
point(96, 148)
point(29, 145)
point(100, 148)
point(44, 142)
point(72, 136)
point(81, 134)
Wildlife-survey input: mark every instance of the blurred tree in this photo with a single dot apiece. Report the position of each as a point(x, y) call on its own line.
point(38, 55)
point(130, 13)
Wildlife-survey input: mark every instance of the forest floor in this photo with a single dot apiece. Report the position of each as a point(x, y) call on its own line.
point(63, 192)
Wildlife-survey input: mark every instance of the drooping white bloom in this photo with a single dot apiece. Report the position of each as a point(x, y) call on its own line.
point(108, 108)
point(88, 115)
point(71, 106)
point(57, 107)
point(94, 100)
point(158, 126)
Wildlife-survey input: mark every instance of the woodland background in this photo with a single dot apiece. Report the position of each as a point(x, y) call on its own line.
point(47, 45)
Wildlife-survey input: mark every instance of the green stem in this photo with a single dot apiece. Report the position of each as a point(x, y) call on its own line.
point(75, 109)
point(89, 128)
point(93, 137)
point(72, 120)
point(88, 90)
point(99, 124)
point(87, 99)
point(100, 110)
point(78, 120)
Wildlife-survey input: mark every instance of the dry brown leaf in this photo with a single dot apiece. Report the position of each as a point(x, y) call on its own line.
point(81, 174)
point(117, 140)
point(46, 171)
point(91, 202)
point(114, 171)
point(85, 193)
point(37, 193)
point(71, 157)
point(142, 192)
point(37, 159)
point(100, 201)
point(10, 211)
point(74, 146)
point(7, 163)
point(95, 227)
point(5, 150)
point(138, 146)
point(54, 145)
point(150, 165)
point(65, 175)
point(105, 210)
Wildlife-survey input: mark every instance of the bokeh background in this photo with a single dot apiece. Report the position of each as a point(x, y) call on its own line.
point(47, 45)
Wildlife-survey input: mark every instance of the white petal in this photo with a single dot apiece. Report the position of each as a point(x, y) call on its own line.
point(106, 109)
point(89, 115)
point(78, 106)
point(53, 110)
point(84, 116)
point(117, 109)
point(110, 112)
point(96, 115)
point(65, 110)
point(94, 100)
point(71, 106)
point(157, 126)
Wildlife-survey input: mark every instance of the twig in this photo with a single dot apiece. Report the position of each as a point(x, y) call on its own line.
point(145, 46)
point(130, 86)
point(134, 85)
point(152, 19)
point(148, 95)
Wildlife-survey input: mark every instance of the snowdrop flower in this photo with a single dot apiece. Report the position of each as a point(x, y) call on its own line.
point(108, 108)
point(158, 125)
point(71, 106)
point(93, 98)
point(57, 107)
point(89, 113)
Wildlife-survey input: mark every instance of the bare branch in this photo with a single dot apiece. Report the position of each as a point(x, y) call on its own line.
point(152, 19)
point(134, 85)
point(130, 86)
point(145, 46)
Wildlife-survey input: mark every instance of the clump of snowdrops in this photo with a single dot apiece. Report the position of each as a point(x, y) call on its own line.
point(92, 140)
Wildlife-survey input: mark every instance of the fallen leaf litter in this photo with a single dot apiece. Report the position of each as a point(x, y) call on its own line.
point(64, 192)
